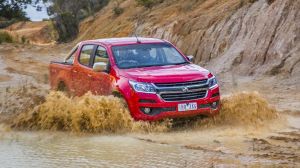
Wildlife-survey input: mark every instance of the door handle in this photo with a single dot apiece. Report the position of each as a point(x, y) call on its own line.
point(89, 75)
point(74, 71)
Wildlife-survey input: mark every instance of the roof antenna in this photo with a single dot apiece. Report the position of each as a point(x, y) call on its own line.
point(137, 39)
point(136, 27)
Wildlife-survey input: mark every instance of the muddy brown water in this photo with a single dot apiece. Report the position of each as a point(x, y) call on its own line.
point(98, 132)
point(60, 150)
point(218, 147)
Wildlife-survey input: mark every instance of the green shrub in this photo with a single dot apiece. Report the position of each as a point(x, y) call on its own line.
point(5, 37)
point(148, 3)
point(118, 10)
point(270, 1)
point(6, 23)
point(23, 39)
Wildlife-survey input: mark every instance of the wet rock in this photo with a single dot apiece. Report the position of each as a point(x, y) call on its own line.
point(285, 139)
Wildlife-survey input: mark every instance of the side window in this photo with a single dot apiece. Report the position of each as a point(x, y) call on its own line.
point(70, 60)
point(101, 55)
point(71, 56)
point(85, 54)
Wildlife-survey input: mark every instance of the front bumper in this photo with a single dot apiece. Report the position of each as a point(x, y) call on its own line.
point(163, 109)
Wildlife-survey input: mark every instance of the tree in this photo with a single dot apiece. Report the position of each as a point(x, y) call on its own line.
point(67, 15)
point(13, 9)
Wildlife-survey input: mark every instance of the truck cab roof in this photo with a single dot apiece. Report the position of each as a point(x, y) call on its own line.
point(125, 40)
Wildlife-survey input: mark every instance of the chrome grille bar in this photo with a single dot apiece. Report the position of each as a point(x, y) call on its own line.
point(198, 82)
point(183, 90)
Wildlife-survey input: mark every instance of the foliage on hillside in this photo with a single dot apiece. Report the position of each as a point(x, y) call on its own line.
point(149, 3)
point(5, 37)
point(13, 9)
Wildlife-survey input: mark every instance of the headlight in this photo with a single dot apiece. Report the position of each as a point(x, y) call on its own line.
point(142, 87)
point(212, 82)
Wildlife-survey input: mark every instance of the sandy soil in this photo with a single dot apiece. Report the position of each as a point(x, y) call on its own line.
point(277, 142)
point(28, 62)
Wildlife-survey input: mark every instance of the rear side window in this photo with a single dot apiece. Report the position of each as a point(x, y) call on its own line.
point(71, 56)
point(85, 54)
point(70, 60)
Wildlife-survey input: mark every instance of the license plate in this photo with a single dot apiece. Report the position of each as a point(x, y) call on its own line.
point(187, 106)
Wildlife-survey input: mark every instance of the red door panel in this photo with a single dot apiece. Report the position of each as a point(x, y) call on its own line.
point(101, 83)
point(81, 80)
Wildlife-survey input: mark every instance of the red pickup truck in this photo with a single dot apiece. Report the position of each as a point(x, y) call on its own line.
point(155, 78)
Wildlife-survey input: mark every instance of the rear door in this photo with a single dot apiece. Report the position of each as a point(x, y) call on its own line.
point(81, 73)
point(101, 82)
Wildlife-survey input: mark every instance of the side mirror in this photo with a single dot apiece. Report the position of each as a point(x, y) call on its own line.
point(100, 67)
point(191, 58)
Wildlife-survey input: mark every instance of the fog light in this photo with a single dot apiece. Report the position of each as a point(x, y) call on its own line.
point(214, 105)
point(147, 110)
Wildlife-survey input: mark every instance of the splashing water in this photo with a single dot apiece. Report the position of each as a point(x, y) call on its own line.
point(107, 114)
point(88, 113)
point(241, 109)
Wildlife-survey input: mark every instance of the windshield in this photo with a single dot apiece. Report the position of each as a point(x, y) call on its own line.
point(146, 55)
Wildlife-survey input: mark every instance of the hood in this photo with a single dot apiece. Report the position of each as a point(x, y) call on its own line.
point(165, 74)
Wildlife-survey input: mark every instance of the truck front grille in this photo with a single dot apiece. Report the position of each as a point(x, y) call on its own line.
point(182, 91)
point(183, 96)
point(178, 84)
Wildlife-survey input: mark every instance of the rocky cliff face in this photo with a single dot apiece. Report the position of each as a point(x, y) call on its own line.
point(249, 37)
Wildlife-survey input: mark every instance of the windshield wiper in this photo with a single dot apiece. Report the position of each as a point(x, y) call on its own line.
point(181, 63)
point(144, 66)
point(164, 64)
point(152, 65)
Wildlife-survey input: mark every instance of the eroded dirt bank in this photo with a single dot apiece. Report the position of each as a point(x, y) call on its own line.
point(249, 130)
point(248, 37)
point(39, 33)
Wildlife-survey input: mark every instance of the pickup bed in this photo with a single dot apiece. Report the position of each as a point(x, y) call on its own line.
point(155, 78)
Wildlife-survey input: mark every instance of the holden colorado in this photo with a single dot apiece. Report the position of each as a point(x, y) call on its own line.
point(155, 78)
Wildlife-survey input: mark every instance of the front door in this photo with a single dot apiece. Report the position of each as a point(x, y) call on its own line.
point(101, 82)
point(81, 74)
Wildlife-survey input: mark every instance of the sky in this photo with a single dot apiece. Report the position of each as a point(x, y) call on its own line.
point(35, 15)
